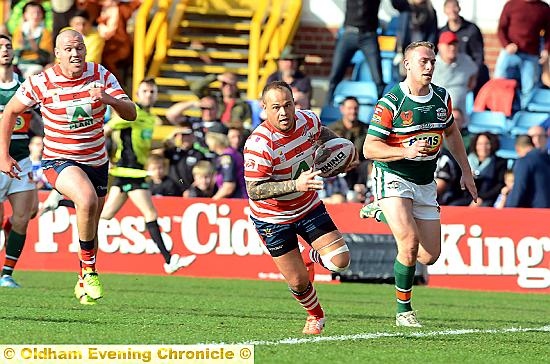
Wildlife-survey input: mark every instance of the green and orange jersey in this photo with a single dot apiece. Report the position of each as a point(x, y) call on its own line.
point(402, 119)
point(19, 146)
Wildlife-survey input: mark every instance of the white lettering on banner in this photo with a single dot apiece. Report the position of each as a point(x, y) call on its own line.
point(125, 236)
point(231, 239)
point(499, 253)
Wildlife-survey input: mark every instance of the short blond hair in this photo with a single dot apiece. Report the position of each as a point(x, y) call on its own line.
point(203, 168)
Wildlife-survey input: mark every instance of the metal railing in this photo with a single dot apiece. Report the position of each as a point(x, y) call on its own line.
point(273, 25)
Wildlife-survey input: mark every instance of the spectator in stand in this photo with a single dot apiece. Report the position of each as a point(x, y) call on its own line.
point(33, 43)
point(159, 182)
point(182, 155)
point(351, 128)
point(301, 100)
point(16, 14)
point(335, 190)
point(417, 22)
point(289, 71)
point(231, 108)
point(470, 40)
point(487, 168)
point(520, 25)
point(505, 191)
point(82, 23)
point(112, 23)
point(209, 115)
point(447, 178)
point(204, 184)
point(229, 164)
point(236, 136)
point(359, 33)
point(455, 71)
point(531, 176)
point(539, 137)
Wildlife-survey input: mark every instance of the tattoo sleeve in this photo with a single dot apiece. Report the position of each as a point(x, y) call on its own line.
point(261, 190)
point(326, 134)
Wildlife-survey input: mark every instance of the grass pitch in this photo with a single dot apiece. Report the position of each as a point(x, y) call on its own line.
point(459, 326)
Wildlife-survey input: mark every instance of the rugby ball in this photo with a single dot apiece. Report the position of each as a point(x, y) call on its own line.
point(333, 156)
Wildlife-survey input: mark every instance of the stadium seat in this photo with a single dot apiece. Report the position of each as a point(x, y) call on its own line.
point(469, 103)
point(523, 120)
point(365, 91)
point(365, 113)
point(540, 101)
point(256, 109)
point(361, 71)
point(490, 121)
point(507, 149)
point(330, 114)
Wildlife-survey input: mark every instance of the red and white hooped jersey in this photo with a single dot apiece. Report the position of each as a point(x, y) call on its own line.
point(272, 155)
point(73, 125)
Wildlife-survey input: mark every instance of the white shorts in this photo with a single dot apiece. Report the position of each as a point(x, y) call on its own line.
point(9, 186)
point(424, 197)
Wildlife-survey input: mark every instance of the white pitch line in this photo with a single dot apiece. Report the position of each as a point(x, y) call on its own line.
point(378, 335)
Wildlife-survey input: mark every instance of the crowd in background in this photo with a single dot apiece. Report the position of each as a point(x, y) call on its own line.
point(203, 157)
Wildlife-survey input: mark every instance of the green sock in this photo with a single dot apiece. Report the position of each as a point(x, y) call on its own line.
point(14, 247)
point(404, 278)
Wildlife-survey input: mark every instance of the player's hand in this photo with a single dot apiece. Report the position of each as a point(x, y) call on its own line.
point(307, 182)
point(10, 167)
point(97, 93)
point(420, 148)
point(467, 183)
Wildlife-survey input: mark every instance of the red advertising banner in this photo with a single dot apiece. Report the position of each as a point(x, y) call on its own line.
point(482, 248)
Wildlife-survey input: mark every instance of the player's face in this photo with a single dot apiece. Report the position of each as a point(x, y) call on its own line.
point(71, 53)
point(6, 52)
point(147, 94)
point(279, 108)
point(420, 63)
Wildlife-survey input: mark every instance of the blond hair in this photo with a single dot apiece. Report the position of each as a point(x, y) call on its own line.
point(203, 168)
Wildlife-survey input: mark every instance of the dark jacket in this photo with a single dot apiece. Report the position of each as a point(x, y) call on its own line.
point(470, 40)
point(531, 181)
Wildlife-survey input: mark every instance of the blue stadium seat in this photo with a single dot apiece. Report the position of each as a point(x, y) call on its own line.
point(491, 121)
point(507, 148)
point(365, 113)
point(256, 109)
point(361, 72)
point(523, 120)
point(330, 114)
point(469, 103)
point(540, 101)
point(365, 91)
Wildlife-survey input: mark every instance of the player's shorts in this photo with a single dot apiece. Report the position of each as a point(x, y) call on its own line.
point(127, 184)
point(9, 186)
point(282, 238)
point(424, 197)
point(98, 175)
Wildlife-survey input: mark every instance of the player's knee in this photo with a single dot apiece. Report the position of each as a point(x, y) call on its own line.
point(298, 284)
point(428, 259)
point(338, 260)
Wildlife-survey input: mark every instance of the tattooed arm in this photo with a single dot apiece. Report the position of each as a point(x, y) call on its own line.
point(261, 190)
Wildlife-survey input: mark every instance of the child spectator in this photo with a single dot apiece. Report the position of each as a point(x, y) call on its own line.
point(508, 185)
point(160, 183)
point(203, 184)
point(32, 41)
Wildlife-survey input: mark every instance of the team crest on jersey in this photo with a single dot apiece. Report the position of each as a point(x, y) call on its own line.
point(250, 164)
point(441, 114)
point(407, 117)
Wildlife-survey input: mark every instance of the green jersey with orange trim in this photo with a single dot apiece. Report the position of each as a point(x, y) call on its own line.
point(402, 119)
point(19, 146)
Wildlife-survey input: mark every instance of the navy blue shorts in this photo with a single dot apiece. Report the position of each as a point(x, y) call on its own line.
point(98, 175)
point(282, 238)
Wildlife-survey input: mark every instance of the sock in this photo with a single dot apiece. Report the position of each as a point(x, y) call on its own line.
point(308, 300)
point(404, 278)
point(154, 231)
point(14, 247)
point(87, 254)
